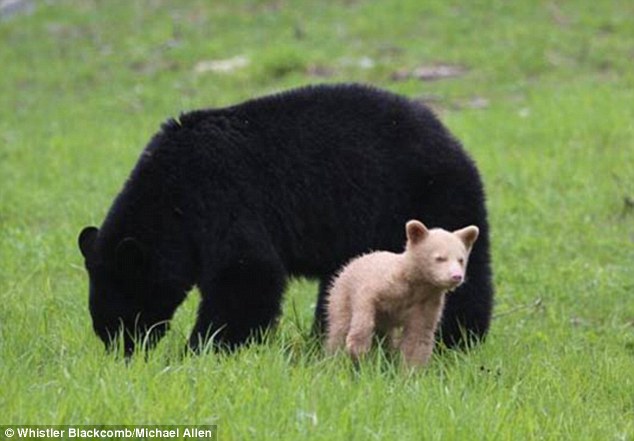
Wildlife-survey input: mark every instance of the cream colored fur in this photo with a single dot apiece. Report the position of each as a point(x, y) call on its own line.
point(386, 292)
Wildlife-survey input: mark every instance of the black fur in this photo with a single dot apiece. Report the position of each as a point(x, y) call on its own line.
point(236, 200)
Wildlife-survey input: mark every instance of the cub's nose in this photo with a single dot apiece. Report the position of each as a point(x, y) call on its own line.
point(456, 278)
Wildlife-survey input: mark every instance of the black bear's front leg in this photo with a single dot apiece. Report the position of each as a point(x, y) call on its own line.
point(239, 303)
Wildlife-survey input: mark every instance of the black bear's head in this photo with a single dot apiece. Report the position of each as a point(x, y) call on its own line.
point(120, 290)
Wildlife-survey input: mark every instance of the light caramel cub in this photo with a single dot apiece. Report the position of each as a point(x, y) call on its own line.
point(387, 292)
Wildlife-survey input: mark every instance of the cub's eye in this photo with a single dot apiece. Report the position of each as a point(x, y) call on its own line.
point(461, 260)
point(441, 259)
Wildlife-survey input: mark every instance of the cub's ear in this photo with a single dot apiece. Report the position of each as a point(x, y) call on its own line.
point(468, 235)
point(130, 257)
point(416, 231)
point(86, 240)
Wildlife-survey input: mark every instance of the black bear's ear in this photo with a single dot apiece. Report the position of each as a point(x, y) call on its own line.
point(130, 256)
point(86, 240)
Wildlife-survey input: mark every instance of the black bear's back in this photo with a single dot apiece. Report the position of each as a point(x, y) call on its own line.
point(327, 172)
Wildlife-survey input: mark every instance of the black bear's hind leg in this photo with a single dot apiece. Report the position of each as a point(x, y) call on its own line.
point(467, 314)
point(240, 303)
point(320, 324)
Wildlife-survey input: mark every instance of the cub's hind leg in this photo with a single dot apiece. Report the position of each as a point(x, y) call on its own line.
point(362, 325)
point(339, 316)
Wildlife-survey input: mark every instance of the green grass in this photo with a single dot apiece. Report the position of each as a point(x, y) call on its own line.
point(85, 84)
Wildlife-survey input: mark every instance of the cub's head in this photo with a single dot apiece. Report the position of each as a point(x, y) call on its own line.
point(119, 289)
point(439, 257)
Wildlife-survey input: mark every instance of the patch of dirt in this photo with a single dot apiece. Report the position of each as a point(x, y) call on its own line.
point(222, 66)
point(11, 8)
point(432, 72)
point(439, 104)
point(320, 71)
point(150, 67)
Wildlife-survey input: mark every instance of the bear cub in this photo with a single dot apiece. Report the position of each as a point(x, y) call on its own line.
point(385, 292)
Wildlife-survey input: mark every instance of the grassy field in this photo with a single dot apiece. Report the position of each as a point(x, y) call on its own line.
point(543, 100)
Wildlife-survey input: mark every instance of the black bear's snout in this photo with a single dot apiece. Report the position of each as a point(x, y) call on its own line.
point(146, 336)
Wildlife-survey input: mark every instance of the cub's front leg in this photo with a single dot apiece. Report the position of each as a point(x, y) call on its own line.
point(417, 343)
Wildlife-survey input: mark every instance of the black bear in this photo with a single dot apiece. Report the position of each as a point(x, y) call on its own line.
point(237, 200)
